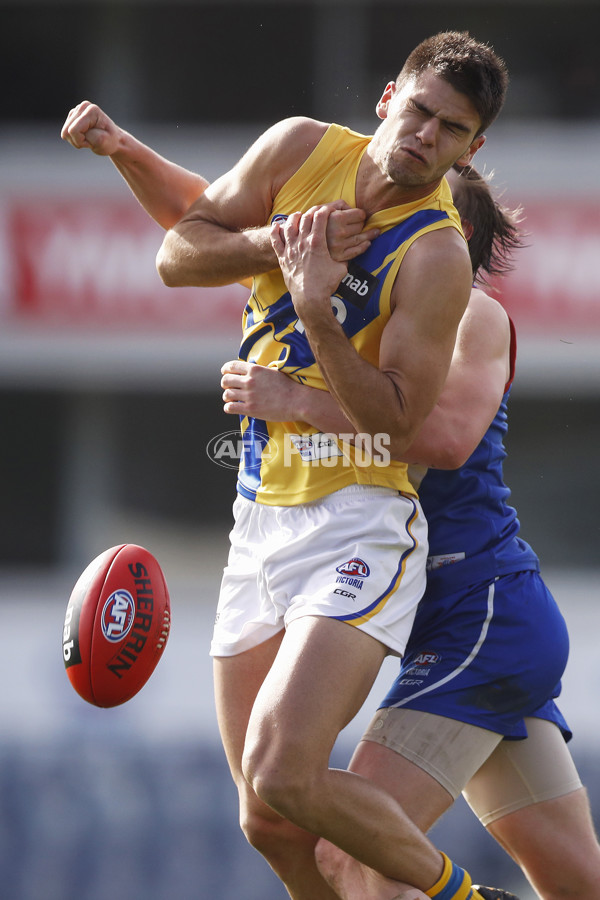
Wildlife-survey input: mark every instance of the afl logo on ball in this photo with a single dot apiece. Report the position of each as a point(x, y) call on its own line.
point(118, 615)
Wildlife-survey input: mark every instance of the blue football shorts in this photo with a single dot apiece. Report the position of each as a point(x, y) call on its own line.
point(488, 655)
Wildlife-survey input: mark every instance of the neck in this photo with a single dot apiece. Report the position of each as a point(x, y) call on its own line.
point(374, 191)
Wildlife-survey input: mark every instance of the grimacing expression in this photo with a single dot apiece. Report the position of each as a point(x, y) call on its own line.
point(427, 126)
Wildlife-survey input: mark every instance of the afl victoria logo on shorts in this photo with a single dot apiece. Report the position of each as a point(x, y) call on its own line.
point(355, 567)
point(118, 614)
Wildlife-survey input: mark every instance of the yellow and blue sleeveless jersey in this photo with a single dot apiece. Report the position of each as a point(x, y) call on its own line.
point(287, 463)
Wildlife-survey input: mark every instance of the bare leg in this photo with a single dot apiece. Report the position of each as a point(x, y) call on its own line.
point(529, 796)
point(423, 799)
point(555, 845)
point(288, 850)
point(318, 682)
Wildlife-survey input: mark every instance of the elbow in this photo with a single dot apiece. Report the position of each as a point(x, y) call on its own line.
point(451, 454)
point(436, 453)
point(166, 267)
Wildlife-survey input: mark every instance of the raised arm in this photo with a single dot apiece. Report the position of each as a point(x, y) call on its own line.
point(224, 236)
point(168, 193)
point(164, 189)
point(467, 405)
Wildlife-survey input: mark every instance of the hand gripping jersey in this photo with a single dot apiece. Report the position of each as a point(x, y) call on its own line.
point(287, 463)
point(473, 531)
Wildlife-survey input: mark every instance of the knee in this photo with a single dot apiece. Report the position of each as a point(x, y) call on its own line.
point(278, 780)
point(287, 850)
point(261, 830)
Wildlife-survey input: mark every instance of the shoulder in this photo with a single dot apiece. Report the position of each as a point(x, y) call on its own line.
point(485, 330)
point(294, 130)
point(445, 244)
point(483, 310)
point(282, 148)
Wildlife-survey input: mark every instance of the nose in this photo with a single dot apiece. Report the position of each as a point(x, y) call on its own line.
point(428, 131)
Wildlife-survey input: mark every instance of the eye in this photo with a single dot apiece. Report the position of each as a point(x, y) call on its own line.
point(414, 107)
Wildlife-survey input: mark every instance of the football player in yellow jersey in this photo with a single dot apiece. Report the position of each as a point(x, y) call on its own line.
point(289, 670)
point(531, 833)
point(526, 792)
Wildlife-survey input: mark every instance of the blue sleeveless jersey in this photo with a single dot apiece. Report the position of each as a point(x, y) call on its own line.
point(473, 530)
point(489, 644)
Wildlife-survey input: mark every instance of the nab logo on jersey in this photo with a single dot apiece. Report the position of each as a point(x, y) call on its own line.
point(426, 658)
point(118, 615)
point(355, 567)
point(357, 286)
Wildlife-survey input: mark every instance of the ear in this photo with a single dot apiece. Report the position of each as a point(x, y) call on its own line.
point(466, 158)
point(382, 107)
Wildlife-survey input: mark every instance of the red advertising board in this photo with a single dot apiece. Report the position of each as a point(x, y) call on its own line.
point(90, 263)
point(555, 286)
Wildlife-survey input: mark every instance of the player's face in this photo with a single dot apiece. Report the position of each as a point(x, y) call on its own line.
point(427, 126)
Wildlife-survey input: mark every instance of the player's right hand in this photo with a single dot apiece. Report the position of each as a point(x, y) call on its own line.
point(258, 391)
point(88, 126)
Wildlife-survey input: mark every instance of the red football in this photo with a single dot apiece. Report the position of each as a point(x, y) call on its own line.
point(117, 624)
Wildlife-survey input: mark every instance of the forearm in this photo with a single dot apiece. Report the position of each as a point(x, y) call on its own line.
point(164, 189)
point(319, 409)
point(202, 254)
point(442, 443)
point(445, 441)
point(368, 398)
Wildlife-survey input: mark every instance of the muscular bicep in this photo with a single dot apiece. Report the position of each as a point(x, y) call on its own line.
point(429, 297)
point(476, 382)
point(223, 236)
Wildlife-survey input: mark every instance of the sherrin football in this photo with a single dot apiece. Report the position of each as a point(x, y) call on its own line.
point(116, 625)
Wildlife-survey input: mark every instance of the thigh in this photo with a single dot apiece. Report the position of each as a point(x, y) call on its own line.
point(447, 750)
point(523, 773)
point(357, 556)
point(488, 655)
point(319, 680)
point(246, 616)
point(237, 681)
point(555, 844)
point(420, 795)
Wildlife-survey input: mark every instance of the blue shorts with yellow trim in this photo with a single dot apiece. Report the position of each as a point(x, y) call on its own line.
point(489, 655)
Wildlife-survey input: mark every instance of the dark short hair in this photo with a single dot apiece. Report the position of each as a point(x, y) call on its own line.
point(497, 230)
point(471, 67)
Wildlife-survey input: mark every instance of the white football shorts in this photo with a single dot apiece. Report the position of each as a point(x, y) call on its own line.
point(357, 555)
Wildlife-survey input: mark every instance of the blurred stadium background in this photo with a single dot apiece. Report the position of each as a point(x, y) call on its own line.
point(109, 395)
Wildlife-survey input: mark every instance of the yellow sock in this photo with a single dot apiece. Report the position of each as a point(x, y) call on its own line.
point(454, 884)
